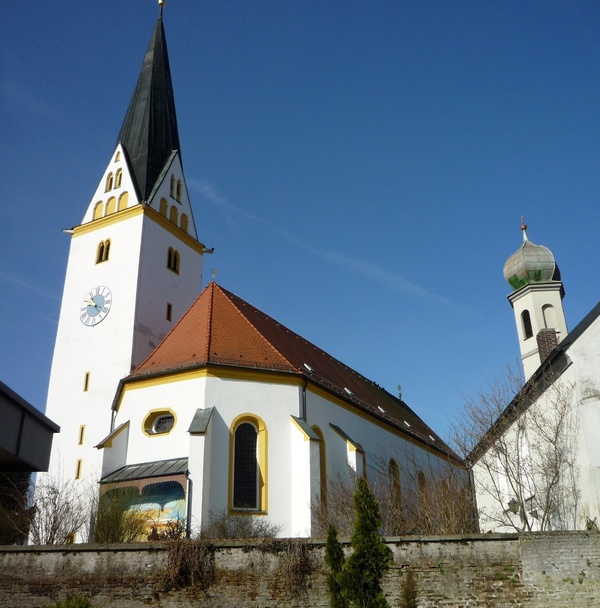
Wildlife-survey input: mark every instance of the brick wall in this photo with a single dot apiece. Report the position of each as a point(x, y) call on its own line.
point(538, 570)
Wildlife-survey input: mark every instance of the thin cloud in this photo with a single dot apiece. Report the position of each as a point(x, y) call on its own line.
point(356, 265)
point(27, 285)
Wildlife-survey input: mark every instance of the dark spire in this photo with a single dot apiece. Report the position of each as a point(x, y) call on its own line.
point(149, 132)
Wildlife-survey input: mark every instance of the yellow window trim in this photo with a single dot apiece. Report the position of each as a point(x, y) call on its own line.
point(262, 464)
point(152, 416)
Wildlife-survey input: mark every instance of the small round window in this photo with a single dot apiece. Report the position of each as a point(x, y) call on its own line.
point(163, 424)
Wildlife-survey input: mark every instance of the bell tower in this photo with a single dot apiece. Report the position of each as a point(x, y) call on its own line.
point(534, 276)
point(134, 267)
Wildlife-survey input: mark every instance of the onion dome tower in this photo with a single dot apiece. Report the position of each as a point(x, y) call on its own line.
point(533, 274)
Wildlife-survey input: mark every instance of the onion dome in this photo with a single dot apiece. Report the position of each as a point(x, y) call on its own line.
point(530, 264)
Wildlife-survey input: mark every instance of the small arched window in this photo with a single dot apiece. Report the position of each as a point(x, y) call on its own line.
point(117, 156)
point(173, 214)
point(163, 207)
point(111, 205)
point(183, 224)
point(98, 210)
point(248, 465)
point(118, 178)
point(173, 260)
point(178, 197)
point(109, 182)
point(172, 191)
point(103, 251)
point(526, 322)
point(123, 200)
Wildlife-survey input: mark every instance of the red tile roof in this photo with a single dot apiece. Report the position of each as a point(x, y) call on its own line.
point(221, 329)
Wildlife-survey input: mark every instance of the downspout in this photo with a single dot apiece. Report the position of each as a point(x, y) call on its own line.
point(188, 523)
point(303, 401)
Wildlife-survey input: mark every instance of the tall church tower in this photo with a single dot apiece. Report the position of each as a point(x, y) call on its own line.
point(537, 302)
point(134, 267)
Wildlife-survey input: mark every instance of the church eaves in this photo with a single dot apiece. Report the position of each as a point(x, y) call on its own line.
point(149, 132)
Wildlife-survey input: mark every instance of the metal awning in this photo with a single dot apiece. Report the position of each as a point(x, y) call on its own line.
point(159, 468)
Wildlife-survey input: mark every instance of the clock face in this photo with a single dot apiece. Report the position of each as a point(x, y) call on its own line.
point(95, 306)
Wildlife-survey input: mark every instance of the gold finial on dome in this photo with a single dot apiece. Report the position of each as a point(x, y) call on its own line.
point(161, 3)
point(524, 228)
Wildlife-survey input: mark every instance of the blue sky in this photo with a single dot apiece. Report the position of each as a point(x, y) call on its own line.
point(359, 167)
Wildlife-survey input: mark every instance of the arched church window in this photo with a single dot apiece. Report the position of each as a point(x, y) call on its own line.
point(526, 322)
point(173, 214)
point(394, 481)
point(103, 251)
point(118, 178)
point(322, 466)
point(109, 182)
point(118, 156)
point(248, 466)
point(172, 191)
point(178, 197)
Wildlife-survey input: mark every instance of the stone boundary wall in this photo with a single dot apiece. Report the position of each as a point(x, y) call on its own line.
point(549, 570)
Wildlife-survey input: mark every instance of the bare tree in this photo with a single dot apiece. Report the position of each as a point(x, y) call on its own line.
point(521, 441)
point(414, 498)
point(61, 512)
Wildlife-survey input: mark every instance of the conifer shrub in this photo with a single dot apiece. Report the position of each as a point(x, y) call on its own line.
point(334, 558)
point(356, 581)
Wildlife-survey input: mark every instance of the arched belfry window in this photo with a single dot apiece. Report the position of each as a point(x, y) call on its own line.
point(118, 178)
point(103, 251)
point(178, 197)
point(173, 214)
point(248, 464)
point(173, 260)
point(549, 316)
point(526, 322)
point(172, 190)
point(109, 182)
point(183, 224)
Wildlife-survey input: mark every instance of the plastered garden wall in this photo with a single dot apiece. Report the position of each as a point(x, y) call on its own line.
point(539, 570)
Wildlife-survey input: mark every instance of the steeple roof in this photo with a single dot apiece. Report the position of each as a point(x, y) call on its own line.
point(149, 133)
point(221, 329)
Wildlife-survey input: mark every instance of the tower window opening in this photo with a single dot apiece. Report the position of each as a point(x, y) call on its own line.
point(169, 311)
point(118, 156)
point(86, 382)
point(81, 434)
point(172, 191)
point(109, 182)
point(118, 178)
point(173, 260)
point(173, 214)
point(178, 197)
point(526, 322)
point(103, 251)
point(78, 468)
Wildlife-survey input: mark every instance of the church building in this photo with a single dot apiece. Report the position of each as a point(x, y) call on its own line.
point(538, 465)
point(192, 396)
